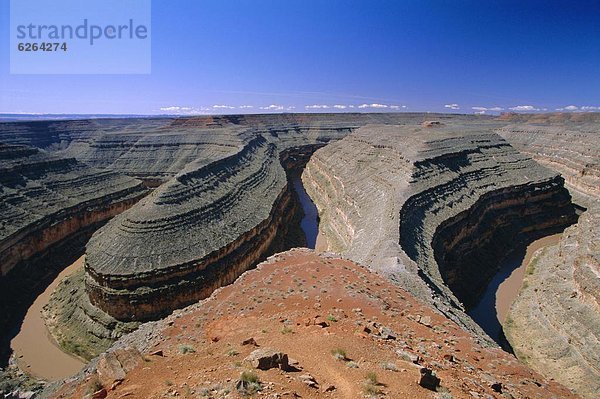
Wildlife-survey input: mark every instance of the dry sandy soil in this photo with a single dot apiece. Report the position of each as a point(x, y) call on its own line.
point(308, 306)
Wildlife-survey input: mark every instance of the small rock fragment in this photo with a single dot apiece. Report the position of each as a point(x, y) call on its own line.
point(250, 341)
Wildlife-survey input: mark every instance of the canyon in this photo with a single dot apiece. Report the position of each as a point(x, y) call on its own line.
point(45, 201)
point(431, 208)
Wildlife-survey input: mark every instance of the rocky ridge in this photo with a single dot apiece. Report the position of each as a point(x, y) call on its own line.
point(385, 179)
point(311, 326)
point(411, 201)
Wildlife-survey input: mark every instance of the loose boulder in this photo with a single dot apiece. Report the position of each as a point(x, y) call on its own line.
point(266, 358)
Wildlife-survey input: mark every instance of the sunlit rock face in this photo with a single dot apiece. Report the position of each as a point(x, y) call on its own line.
point(434, 208)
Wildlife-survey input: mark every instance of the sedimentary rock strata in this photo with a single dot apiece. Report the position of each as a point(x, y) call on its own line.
point(176, 247)
point(571, 149)
point(44, 198)
point(435, 205)
point(554, 324)
point(201, 229)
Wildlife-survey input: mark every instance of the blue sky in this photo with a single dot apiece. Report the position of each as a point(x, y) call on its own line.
point(241, 56)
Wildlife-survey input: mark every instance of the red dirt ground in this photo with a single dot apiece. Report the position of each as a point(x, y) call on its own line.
point(278, 305)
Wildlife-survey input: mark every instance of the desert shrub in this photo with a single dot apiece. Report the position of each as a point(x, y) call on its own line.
point(232, 352)
point(185, 349)
point(391, 366)
point(372, 378)
point(352, 365)
point(339, 354)
point(249, 376)
point(372, 390)
point(248, 384)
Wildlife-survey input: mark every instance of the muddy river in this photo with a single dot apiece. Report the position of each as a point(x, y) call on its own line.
point(491, 310)
point(36, 352)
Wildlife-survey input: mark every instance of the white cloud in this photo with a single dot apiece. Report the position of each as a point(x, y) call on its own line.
point(246, 106)
point(316, 106)
point(339, 106)
point(568, 108)
point(452, 106)
point(483, 110)
point(291, 107)
point(273, 107)
point(524, 108)
point(363, 106)
point(590, 108)
point(177, 110)
point(487, 109)
point(223, 107)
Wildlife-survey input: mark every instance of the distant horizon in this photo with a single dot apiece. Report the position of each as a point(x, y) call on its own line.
point(17, 116)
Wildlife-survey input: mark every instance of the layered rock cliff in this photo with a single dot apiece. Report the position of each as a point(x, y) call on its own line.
point(554, 324)
point(434, 208)
point(44, 198)
point(571, 149)
point(200, 230)
point(176, 247)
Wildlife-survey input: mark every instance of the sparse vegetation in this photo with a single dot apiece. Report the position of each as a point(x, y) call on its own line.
point(249, 383)
point(352, 365)
point(443, 393)
point(339, 354)
point(371, 387)
point(286, 330)
point(168, 383)
point(372, 378)
point(391, 366)
point(331, 318)
point(232, 352)
point(185, 349)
